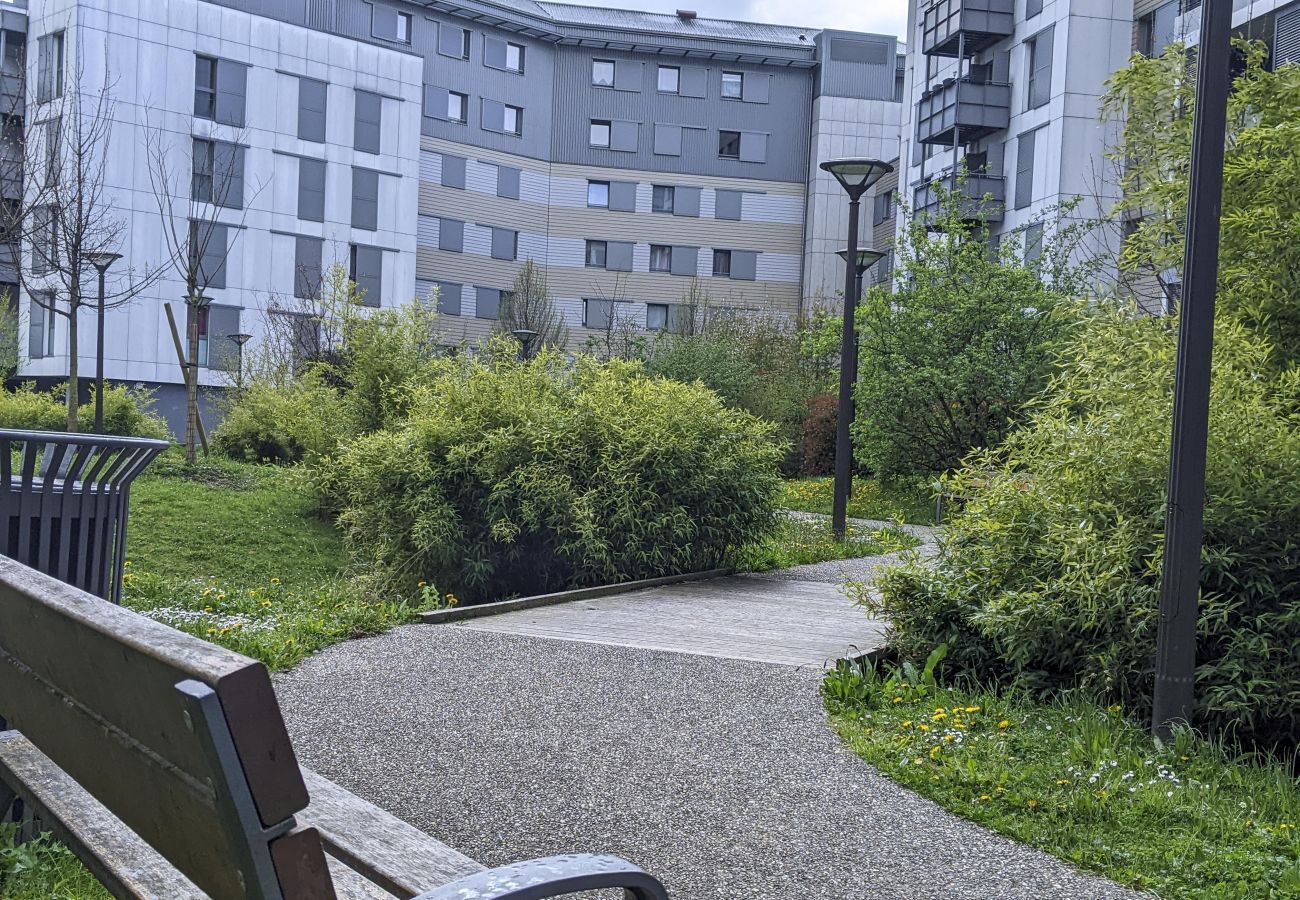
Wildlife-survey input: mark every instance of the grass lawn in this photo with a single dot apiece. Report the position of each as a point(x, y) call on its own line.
point(905, 500)
point(1187, 820)
point(799, 541)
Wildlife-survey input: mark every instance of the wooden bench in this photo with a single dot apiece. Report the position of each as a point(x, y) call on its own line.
point(162, 761)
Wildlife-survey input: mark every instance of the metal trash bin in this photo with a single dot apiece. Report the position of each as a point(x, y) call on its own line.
point(63, 503)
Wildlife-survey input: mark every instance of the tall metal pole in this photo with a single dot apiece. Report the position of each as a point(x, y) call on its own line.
point(848, 377)
point(99, 357)
point(1184, 515)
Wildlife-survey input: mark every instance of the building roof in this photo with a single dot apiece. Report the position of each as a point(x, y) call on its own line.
point(666, 23)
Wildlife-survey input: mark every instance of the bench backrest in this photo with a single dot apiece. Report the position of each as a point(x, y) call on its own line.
point(180, 739)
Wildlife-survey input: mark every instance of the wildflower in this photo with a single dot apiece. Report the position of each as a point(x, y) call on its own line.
point(934, 753)
point(923, 727)
point(985, 797)
point(907, 724)
point(1004, 724)
point(972, 709)
point(1031, 803)
point(1062, 781)
point(275, 581)
point(948, 739)
point(918, 761)
point(422, 585)
point(1116, 708)
point(939, 716)
point(898, 699)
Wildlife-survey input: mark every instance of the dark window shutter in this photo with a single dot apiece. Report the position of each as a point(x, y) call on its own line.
point(627, 76)
point(668, 140)
point(451, 235)
point(508, 182)
point(744, 264)
point(368, 122)
point(453, 171)
point(693, 82)
point(307, 266)
point(727, 204)
point(365, 199)
point(756, 87)
point(368, 273)
point(232, 88)
point(624, 136)
point(685, 260)
point(451, 40)
point(622, 196)
point(494, 52)
point(1025, 169)
point(505, 243)
point(223, 321)
point(228, 175)
point(493, 115)
point(487, 303)
point(449, 298)
point(311, 190)
point(753, 146)
point(1040, 79)
point(618, 256)
point(435, 102)
point(686, 201)
point(312, 96)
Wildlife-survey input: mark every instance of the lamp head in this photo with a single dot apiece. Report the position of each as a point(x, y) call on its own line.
point(101, 260)
point(240, 339)
point(856, 175)
point(867, 257)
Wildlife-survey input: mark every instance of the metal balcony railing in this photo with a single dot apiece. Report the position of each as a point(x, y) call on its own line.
point(952, 27)
point(979, 193)
point(963, 110)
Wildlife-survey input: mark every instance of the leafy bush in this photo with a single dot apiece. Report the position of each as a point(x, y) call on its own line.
point(283, 423)
point(514, 477)
point(127, 411)
point(1050, 574)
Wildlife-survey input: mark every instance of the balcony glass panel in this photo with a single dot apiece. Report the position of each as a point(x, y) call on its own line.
point(969, 26)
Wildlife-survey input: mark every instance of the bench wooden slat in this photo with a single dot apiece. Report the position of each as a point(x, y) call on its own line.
point(128, 867)
point(351, 886)
point(399, 857)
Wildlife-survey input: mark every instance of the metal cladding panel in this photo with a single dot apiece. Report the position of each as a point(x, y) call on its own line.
point(855, 65)
point(577, 102)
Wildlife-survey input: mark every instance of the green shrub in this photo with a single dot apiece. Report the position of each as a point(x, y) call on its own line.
point(1050, 574)
point(127, 411)
point(529, 477)
point(28, 409)
point(281, 423)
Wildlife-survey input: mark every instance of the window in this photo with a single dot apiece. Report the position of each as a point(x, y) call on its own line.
point(733, 85)
point(311, 109)
point(661, 199)
point(599, 132)
point(505, 243)
point(596, 254)
point(451, 235)
point(217, 323)
point(453, 171)
point(504, 55)
point(207, 259)
point(729, 144)
point(15, 52)
point(513, 120)
point(884, 206)
point(487, 302)
point(1033, 242)
point(311, 189)
point(1025, 149)
point(453, 41)
point(40, 325)
point(53, 136)
point(721, 263)
point(597, 314)
point(1158, 29)
point(602, 72)
point(45, 232)
point(403, 28)
point(661, 258)
point(1039, 86)
point(307, 267)
point(669, 79)
point(727, 204)
point(367, 122)
point(366, 269)
point(365, 199)
point(389, 24)
point(49, 75)
point(508, 182)
point(220, 89)
point(656, 316)
point(598, 194)
point(449, 296)
point(457, 107)
point(1033, 8)
point(218, 173)
point(515, 57)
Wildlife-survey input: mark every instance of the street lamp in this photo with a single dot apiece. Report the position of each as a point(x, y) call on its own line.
point(866, 259)
point(525, 337)
point(855, 176)
point(240, 340)
point(1185, 509)
point(101, 261)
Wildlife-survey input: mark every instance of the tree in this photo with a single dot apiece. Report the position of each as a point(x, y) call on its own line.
point(65, 212)
point(200, 193)
point(949, 359)
point(528, 307)
point(1259, 244)
point(619, 334)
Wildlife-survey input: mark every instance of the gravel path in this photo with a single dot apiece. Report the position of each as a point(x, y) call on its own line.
point(861, 569)
point(718, 775)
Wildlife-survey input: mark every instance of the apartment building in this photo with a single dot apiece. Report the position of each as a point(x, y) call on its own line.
point(435, 147)
point(1010, 90)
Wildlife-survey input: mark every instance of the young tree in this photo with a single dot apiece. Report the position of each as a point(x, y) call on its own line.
point(69, 218)
point(528, 307)
point(948, 361)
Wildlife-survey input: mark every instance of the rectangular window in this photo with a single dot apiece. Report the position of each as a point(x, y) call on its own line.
point(661, 258)
point(661, 199)
point(15, 53)
point(884, 207)
point(451, 235)
point(311, 189)
point(508, 182)
point(1039, 85)
point(365, 199)
point(311, 109)
point(390, 25)
point(505, 243)
point(669, 79)
point(515, 57)
point(599, 133)
point(512, 120)
point(1033, 8)
point(201, 170)
point(1033, 243)
point(367, 122)
point(45, 230)
point(40, 325)
point(656, 316)
point(602, 72)
point(207, 260)
point(457, 107)
point(449, 295)
point(53, 136)
point(597, 314)
point(733, 85)
point(366, 269)
point(307, 267)
point(1158, 29)
point(487, 303)
point(453, 171)
point(721, 263)
point(729, 144)
point(596, 254)
point(217, 322)
point(49, 79)
point(205, 87)
point(220, 89)
point(598, 194)
point(1025, 150)
point(218, 173)
point(453, 41)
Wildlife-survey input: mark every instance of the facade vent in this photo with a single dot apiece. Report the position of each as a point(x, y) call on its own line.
point(686, 15)
point(1286, 38)
point(872, 53)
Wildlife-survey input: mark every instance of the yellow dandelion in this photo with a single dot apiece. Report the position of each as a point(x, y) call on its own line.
point(1032, 804)
point(924, 727)
point(934, 753)
point(1062, 781)
point(1004, 724)
point(898, 699)
point(972, 709)
point(275, 581)
point(985, 797)
point(907, 724)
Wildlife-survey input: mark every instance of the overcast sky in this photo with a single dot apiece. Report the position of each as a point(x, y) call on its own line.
point(876, 16)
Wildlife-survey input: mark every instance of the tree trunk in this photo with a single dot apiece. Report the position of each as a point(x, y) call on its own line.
point(74, 379)
point(191, 381)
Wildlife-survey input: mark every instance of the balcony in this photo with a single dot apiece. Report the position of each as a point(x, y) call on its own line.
point(963, 110)
point(979, 193)
point(965, 26)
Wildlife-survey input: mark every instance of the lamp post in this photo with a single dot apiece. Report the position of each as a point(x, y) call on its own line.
point(101, 261)
point(240, 340)
point(855, 176)
point(525, 337)
point(1184, 513)
point(866, 259)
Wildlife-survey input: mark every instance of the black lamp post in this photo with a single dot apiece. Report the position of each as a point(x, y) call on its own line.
point(101, 262)
point(855, 176)
point(240, 340)
point(1184, 514)
point(526, 337)
point(866, 259)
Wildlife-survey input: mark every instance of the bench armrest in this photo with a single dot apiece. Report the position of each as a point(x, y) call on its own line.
point(552, 876)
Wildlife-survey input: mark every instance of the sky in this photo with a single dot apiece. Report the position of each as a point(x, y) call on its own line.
point(876, 16)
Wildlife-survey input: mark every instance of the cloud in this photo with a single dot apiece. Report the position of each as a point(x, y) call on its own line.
point(888, 17)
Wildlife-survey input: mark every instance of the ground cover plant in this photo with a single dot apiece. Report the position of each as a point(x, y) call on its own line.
point(1186, 820)
point(797, 541)
point(909, 500)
